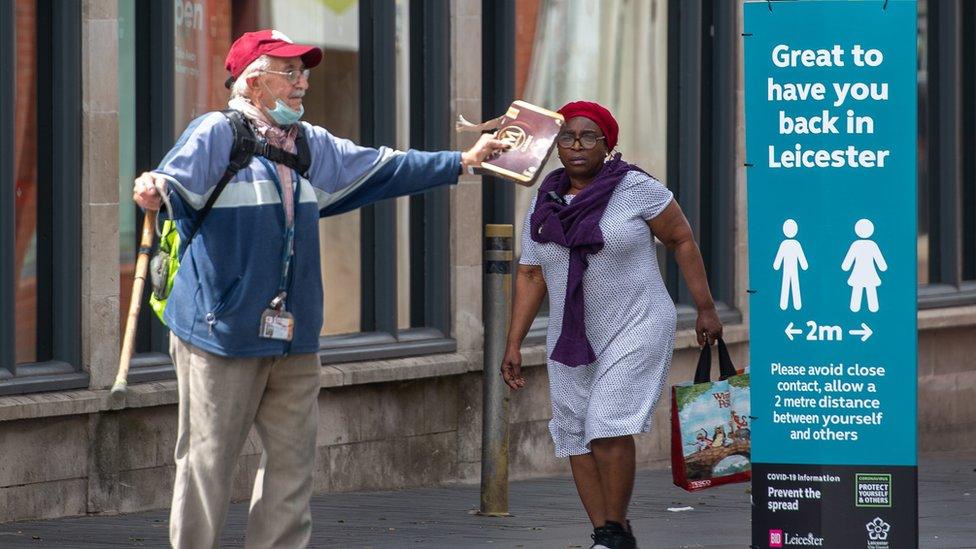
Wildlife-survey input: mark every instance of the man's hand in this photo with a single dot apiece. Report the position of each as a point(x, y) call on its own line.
point(487, 147)
point(512, 368)
point(145, 193)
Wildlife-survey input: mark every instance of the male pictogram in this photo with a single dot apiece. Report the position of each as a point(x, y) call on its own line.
point(790, 260)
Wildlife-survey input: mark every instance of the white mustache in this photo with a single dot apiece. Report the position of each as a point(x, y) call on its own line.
point(297, 95)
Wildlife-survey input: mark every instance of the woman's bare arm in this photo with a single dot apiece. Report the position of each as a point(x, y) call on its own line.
point(672, 228)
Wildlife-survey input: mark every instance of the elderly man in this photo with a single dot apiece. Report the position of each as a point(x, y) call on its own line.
point(245, 310)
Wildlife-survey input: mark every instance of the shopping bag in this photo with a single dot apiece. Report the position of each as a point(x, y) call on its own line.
point(710, 436)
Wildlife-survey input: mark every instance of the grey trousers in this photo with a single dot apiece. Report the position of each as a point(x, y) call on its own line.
point(220, 399)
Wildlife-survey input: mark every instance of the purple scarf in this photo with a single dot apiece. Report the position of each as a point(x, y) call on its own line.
point(577, 227)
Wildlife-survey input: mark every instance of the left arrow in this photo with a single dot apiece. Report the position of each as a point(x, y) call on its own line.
point(791, 331)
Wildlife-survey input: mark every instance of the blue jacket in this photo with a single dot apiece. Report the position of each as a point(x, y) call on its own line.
point(232, 269)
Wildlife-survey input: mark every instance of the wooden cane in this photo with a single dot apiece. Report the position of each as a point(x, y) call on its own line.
point(135, 303)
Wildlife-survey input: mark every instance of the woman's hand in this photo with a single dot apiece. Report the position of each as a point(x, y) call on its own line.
point(512, 368)
point(530, 288)
point(708, 327)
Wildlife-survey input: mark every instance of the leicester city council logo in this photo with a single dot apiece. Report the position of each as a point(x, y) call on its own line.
point(878, 529)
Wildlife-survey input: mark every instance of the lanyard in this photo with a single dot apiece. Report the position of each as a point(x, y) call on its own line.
point(289, 233)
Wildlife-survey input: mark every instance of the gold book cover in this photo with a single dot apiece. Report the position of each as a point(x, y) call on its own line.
point(531, 133)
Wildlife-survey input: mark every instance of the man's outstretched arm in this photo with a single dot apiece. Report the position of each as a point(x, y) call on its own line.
point(346, 176)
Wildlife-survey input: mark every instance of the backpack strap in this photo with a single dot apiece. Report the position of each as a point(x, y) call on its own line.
point(304, 154)
point(240, 157)
point(281, 156)
point(240, 152)
point(245, 146)
point(299, 162)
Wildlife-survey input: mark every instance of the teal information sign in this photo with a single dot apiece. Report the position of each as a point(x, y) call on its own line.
point(830, 98)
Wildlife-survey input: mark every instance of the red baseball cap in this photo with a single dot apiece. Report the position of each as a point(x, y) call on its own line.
point(252, 45)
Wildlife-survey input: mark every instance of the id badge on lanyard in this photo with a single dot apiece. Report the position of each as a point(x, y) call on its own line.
point(276, 322)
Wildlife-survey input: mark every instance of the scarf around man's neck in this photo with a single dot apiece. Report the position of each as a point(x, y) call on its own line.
point(576, 226)
point(283, 138)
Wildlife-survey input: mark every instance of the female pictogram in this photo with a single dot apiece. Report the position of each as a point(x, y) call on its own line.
point(864, 260)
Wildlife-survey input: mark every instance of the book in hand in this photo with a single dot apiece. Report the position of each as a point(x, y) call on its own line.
point(530, 132)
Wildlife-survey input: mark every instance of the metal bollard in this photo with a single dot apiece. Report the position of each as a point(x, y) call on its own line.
point(494, 429)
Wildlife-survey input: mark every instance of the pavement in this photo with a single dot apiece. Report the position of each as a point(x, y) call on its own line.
point(545, 514)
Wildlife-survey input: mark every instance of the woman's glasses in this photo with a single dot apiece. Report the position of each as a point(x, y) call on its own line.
point(292, 75)
point(586, 140)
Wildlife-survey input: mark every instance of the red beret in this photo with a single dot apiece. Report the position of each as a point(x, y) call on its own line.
point(598, 114)
point(252, 45)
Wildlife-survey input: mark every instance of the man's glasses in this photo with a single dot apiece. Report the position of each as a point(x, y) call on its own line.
point(292, 75)
point(586, 141)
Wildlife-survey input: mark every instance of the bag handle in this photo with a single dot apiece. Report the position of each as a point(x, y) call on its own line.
point(725, 367)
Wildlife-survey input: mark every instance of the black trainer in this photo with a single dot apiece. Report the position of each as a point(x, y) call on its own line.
point(601, 538)
point(612, 535)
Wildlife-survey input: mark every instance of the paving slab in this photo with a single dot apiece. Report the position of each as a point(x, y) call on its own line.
point(545, 514)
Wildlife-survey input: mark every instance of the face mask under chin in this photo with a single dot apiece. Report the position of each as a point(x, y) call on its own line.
point(282, 114)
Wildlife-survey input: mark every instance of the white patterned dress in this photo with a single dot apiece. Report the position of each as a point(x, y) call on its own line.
point(630, 322)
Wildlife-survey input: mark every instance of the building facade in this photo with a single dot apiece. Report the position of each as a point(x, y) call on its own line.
point(93, 92)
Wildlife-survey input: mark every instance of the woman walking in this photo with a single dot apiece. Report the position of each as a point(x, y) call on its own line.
point(588, 241)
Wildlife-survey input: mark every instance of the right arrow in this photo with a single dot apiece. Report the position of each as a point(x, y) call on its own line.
point(865, 332)
point(791, 331)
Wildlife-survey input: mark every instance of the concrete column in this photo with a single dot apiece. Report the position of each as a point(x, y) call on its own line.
point(466, 197)
point(741, 267)
point(100, 194)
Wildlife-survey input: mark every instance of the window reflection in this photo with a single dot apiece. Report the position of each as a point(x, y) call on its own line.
point(624, 67)
point(25, 181)
point(127, 155)
point(201, 37)
point(332, 101)
point(923, 168)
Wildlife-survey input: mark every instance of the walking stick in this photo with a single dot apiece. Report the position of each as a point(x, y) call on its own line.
point(135, 302)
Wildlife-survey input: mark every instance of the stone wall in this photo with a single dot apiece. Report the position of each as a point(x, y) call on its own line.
point(947, 379)
point(382, 425)
point(409, 430)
